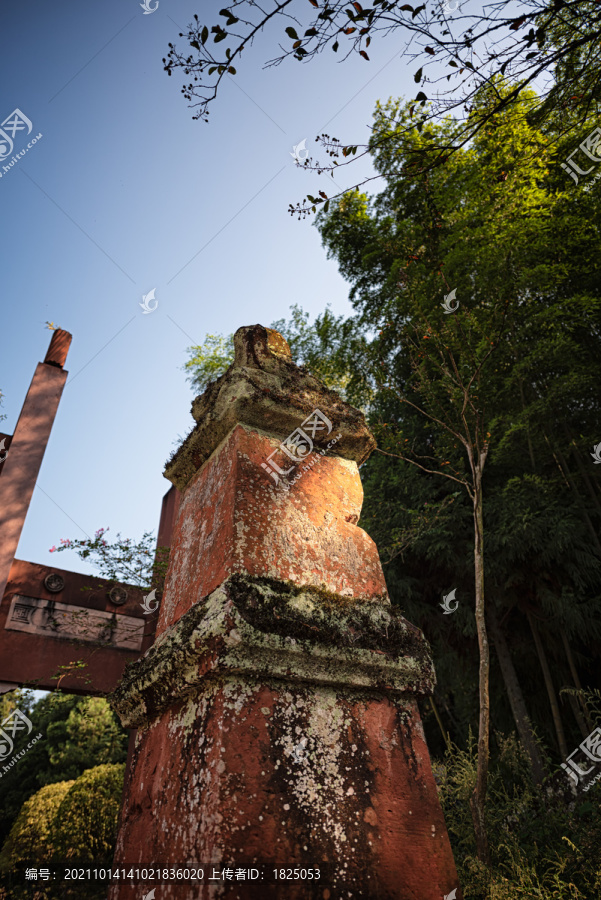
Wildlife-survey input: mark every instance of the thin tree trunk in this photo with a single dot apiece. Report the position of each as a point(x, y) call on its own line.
point(516, 698)
point(478, 798)
point(440, 725)
point(582, 469)
point(528, 438)
point(458, 730)
point(573, 701)
point(583, 511)
point(577, 684)
point(561, 740)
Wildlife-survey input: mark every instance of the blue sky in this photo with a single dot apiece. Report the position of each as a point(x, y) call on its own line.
point(126, 193)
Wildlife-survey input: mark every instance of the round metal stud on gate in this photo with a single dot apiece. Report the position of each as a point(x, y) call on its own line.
point(54, 583)
point(118, 596)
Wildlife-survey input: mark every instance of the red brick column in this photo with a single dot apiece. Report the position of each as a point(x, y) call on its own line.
point(277, 718)
point(27, 447)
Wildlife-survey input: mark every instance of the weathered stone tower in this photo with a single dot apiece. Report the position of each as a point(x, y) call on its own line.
point(277, 718)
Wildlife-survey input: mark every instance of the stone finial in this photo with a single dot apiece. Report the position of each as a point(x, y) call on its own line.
point(265, 390)
point(258, 347)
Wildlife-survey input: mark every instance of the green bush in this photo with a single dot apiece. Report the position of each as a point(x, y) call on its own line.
point(31, 836)
point(545, 844)
point(86, 821)
point(70, 820)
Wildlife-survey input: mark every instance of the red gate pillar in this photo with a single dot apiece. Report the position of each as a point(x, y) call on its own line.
point(27, 447)
point(277, 718)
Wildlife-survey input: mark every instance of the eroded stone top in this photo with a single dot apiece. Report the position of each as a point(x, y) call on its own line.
point(257, 347)
point(265, 389)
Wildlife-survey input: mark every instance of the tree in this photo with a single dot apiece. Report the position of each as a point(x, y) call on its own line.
point(391, 249)
point(209, 360)
point(550, 42)
point(32, 835)
point(140, 563)
point(78, 733)
point(86, 820)
point(68, 822)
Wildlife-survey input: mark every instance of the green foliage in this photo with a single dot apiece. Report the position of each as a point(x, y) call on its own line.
point(91, 731)
point(77, 734)
point(500, 224)
point(86, 820)
point(32, 835)
point(493, 52)
point(314, 348)
point(67, 821)
point(545, 846)
point(209, 360)
point(124, 560)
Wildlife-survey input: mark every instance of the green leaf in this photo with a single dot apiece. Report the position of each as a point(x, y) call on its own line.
point(231, 70)
point(292, 33)
point(195, 44)
point(220, 37)
point(421, 97)
point(204, 35)
point(418, 76)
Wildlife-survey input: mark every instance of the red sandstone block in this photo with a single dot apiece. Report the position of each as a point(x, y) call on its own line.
point(232, 518)
point(220, 780)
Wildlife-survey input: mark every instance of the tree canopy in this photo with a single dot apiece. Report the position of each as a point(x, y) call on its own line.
point(503, 48)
